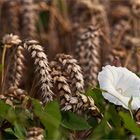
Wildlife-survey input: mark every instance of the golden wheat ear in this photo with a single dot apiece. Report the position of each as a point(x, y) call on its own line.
point(60, 83)
point(67, 75)
point(88, 53)
point(59, 80)
point(41, 71)
point(9, 60)
point(15, 97)
point(35, 133)
point(72, 71)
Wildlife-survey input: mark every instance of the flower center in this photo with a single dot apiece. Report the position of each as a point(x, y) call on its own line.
point(120, 90)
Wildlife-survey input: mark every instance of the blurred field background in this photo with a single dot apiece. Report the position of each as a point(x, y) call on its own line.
point(52, 50)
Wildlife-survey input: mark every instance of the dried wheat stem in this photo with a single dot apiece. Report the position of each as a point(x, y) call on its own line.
point(42, 70)
point(88, 54)
point(35, 133)
point(71, 69)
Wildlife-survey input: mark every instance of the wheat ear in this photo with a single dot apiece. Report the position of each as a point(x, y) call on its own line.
point(70, 101)
point(42, 70)
point(15, 96)
point(88, 54)
point(72, 70)
point(35, 133)
point(29, 18)
point(11, 42)
point(12, 16)
point(61, 83)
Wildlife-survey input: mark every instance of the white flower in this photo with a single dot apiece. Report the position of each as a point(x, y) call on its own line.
point(120, 86)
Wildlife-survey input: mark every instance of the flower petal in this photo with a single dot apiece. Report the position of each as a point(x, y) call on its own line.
point(120, 85)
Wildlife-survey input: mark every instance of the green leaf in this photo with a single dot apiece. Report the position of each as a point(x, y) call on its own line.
point(53, 112)
point(101, 130)
point(111, 111)
point(19, 131)
point(50, 117)
point(7, 112)
point(130, 124)
point(10, 131)
point(92, 121)
point(138, 74)
point(96, 94)
point(74, 122)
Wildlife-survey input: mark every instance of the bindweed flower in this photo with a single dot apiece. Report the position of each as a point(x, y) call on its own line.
point(120, 86)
